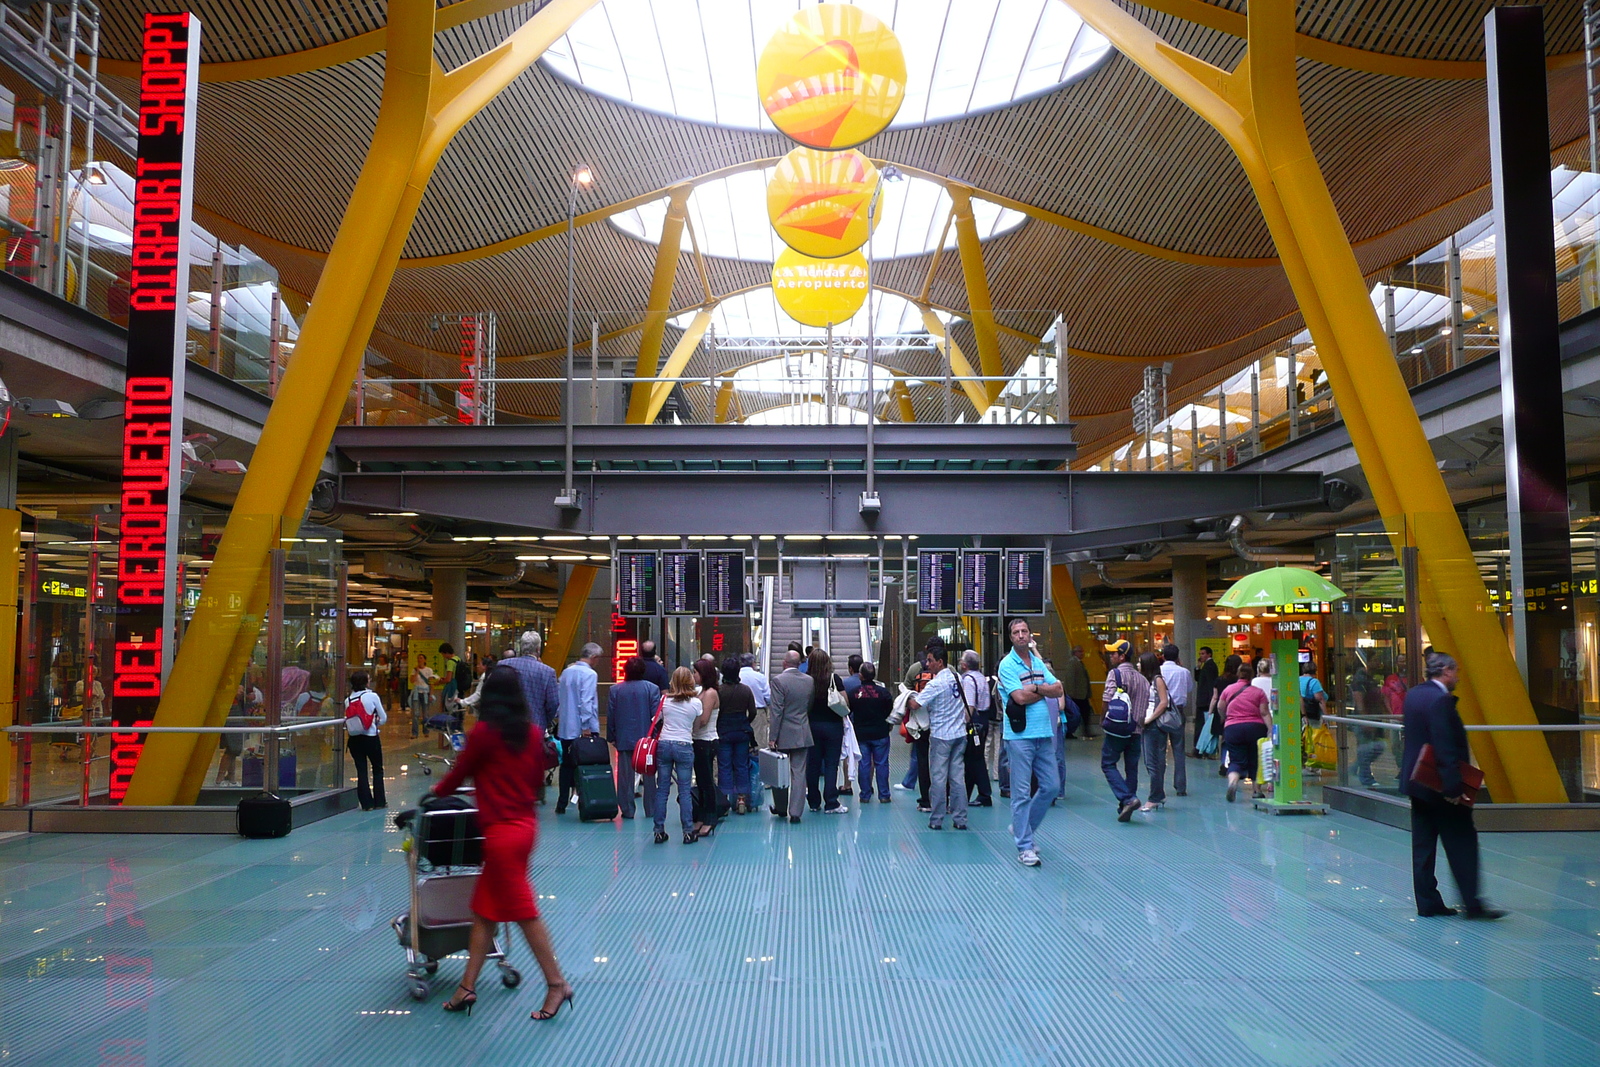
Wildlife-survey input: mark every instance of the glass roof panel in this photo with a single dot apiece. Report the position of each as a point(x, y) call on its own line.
point(729, 216)
point(808, 413)
point(756, 314)
point(696, 59)
point(810, 372)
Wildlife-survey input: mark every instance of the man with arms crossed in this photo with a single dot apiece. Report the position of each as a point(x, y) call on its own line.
point(1025, 682)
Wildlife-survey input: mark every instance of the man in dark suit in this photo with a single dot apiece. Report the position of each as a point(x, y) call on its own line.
point(1431, 719)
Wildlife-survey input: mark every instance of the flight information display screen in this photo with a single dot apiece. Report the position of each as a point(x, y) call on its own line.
point(1025, 581)
point(638, 585)
point(980, 581)
point(725, 581)
point(682, 588)
point(936, 581)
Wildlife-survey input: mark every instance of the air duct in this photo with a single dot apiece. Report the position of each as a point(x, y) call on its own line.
point(500, 579)
point(1235, 535)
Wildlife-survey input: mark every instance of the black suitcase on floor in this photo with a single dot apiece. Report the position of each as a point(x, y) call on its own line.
point(265, 815)
point(718, 806)
point(597, 793)
point(590, 751)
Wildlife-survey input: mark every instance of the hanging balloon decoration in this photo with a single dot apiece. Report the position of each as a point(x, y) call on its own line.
point(817, 201)
point(819, 292)
point(832, 77)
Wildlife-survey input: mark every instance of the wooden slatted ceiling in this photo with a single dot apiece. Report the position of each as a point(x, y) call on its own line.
point(245, 29)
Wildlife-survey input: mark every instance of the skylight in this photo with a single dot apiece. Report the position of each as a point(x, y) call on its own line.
point(756, 314)
point(696, 59)
point(729, 216)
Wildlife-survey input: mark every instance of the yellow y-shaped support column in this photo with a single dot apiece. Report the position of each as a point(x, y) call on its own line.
point(1257, 111)
point(978, 300)
point(960, 366)
point(421, 110)
point(569, 613)
point(668, 253)
point(1069, 609)
point(678, 360)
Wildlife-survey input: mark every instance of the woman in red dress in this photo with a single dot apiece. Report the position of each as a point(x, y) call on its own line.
point(504, 758)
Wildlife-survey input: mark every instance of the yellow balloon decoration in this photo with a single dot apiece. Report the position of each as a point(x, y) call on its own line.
point(832, 77)
point(819, 292)
point(817, 201)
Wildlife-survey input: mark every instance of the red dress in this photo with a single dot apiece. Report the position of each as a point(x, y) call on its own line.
point(507, 781)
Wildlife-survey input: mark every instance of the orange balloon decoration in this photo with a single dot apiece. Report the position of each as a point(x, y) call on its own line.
point(817, 201)
point(832, 77)
point(819, 292)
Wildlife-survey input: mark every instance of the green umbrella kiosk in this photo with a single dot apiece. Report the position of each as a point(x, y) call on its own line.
point(1281, 588)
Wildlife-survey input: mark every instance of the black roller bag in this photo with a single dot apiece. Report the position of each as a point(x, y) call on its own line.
point(265, 815)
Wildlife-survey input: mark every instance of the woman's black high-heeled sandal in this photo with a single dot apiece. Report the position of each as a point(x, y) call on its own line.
point(462, 1003)
point(543, 1016)
point(690, 837)
point(661, 837)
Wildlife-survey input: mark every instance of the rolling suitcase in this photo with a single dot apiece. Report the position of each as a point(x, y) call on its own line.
point(265, 815)
point(775, 776)
point(597, 793)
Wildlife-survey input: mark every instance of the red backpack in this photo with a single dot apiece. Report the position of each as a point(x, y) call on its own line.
point(356, 708)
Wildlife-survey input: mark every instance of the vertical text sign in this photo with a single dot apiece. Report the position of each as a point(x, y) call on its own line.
point(152, 435)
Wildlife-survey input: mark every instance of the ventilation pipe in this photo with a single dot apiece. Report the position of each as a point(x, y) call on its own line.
point(500, 579)
point(1100, 569)
point(1235, 535)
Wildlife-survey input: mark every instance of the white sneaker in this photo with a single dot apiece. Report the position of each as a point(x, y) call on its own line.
point(839, 809)
point(907, 788)
point(1028, 858)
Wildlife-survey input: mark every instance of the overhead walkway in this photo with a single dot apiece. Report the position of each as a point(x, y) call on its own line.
point(1204, 935)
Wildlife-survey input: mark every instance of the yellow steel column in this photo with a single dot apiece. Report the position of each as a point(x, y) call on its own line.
point(960, 366)
point(1069, 609)
point(569, 613)
point(668, 253)
point(676, 362)
point(422, 110)
point(10, 560)
point(978, 299)
point(725, 400)
point(902, 395)
point(1226, 101)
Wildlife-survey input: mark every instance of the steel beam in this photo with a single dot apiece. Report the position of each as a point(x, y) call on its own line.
point(1024, 503)
point(654, 326)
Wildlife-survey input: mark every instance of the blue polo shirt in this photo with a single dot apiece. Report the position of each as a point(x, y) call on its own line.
point(1014, 674)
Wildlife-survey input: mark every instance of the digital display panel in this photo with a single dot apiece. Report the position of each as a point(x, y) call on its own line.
point(725, 581)
point(1025, 581)
point(936, 581)
point(980, 581)
point(682, 592)
point(637, 583)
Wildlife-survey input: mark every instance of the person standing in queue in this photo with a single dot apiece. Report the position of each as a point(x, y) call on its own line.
point(630, 709)
point(504, 758)
point(789, 719)
point(975, 687)
point(918, 675)
point(577, 715)
point(827, 738)
point(1439, 816)
point(1247, 718)
point(1205, 685)
point(946, 706)
point(655, 671)
point(869, 712)
point(736, 711)
point(537, 679)
point(681, 714)
point(1125, 747)
point(706, 801)
point(1025, 682)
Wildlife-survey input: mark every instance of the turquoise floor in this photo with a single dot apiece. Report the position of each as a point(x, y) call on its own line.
point(1202, 934)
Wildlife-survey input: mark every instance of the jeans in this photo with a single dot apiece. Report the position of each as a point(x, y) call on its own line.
point(625, 778)
point(1124, 783)
point(674, 759)
point(822, 764)
point(912, 771)
point(977, 766)
point(874, 754)
point(1061, 751)
point(733, 765)
point(1031, 757)
point(705, 783)
point(1156, 740)
point(949, 779)
point(367, 751)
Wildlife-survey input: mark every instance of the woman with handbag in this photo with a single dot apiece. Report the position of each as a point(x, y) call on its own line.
point(706, 799)
point(829, 706)
point(505, 758)
point(681, 713)
point(1248, 720)
point(736, 710)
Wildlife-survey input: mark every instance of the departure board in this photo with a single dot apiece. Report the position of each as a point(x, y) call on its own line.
point(980, 581)
point(637, 583)
point(936, 581)
point(682, 589)
point(1025, 581)
point(725, 581)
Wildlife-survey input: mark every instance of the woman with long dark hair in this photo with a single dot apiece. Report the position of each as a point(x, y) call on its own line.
point(736, 710)
point(827, 733)
point(705, 751)
point(504, 757)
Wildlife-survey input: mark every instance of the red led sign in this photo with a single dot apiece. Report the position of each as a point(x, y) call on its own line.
point(467, 394)
point(152, 427)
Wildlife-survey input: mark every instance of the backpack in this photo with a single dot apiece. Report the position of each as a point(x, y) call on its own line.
point(463, 677)
point(356, 708)
point(1117, 719)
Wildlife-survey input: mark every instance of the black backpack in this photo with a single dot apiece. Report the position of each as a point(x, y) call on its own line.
point(463, 678)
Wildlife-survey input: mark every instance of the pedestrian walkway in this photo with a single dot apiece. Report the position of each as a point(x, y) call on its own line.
point(1202, 934)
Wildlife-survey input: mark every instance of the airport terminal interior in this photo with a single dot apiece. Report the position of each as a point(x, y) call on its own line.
point(782, 534)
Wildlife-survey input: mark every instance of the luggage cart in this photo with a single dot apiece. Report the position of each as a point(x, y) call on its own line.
point(443, 863)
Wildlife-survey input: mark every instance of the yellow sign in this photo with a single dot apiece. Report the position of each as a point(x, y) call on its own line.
point(832, 77)
point(817, 201)
point(819, 292)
